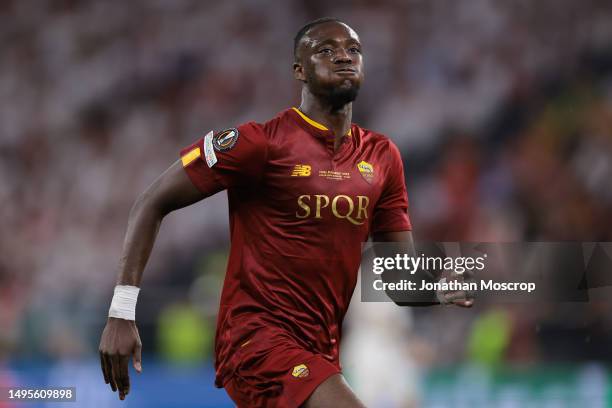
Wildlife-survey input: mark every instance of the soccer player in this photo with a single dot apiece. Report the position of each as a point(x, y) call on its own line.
point(305, 190)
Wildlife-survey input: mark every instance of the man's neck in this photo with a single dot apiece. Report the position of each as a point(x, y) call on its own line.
point(338, 120)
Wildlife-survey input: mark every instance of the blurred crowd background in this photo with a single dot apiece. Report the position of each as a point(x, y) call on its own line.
point(502, 110)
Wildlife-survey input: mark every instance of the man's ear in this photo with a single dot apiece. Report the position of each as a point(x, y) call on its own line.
point(298, 72)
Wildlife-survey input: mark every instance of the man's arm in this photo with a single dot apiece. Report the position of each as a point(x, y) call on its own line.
point(120, 339)
point(171, 191)
point(458, 298)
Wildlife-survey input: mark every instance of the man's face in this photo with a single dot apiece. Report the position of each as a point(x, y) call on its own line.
point(329, 61)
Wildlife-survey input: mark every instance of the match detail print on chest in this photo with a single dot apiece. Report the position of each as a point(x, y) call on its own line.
point(341, 174)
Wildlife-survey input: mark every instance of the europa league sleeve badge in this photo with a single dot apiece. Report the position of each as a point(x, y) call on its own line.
point(225, 140)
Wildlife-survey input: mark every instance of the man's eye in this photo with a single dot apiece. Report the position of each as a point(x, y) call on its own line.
point(355, 50)
point(326, 51)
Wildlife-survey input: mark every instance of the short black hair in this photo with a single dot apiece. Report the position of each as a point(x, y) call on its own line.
point(306, 27)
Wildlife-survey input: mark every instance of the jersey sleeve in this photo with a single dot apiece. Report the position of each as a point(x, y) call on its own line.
point(231, 158)
point(391, 211)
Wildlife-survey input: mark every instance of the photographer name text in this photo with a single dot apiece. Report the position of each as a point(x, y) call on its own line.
point(490, 285)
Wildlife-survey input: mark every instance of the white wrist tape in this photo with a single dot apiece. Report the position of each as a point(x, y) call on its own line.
point(123, 305)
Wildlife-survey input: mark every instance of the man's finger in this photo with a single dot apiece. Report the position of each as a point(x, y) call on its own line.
point(104, 369)
point(125, 374)
point(116, 370)
point(451, 297)
point(109, 369)
point(464, 302)
point(138, 358)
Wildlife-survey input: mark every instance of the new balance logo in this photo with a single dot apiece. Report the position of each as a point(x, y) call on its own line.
point(301, 170)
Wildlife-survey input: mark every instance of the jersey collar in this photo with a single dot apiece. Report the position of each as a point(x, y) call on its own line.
point(314, 124)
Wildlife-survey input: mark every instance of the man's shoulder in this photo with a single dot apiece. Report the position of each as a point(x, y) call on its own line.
point(369, 136)
point(267, 128)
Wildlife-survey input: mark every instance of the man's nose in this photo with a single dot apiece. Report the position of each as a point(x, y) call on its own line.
point(342, 56)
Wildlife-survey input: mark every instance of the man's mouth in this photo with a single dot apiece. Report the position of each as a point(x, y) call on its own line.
point(346, 70)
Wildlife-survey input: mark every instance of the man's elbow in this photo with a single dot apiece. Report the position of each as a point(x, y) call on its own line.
point(148, 203)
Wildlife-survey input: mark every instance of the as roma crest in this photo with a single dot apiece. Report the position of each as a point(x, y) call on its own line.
point(300, 371)
point(366, 170)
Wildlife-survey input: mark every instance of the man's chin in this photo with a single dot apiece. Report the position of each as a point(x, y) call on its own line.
point(343, 94)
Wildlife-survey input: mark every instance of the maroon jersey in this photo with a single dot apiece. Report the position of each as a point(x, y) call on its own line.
point(299, 212)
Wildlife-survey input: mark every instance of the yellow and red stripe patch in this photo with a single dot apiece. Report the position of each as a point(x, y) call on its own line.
point(190, 156)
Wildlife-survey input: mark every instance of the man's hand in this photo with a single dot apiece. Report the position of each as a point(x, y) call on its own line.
point(459, 298)
point(120, 341)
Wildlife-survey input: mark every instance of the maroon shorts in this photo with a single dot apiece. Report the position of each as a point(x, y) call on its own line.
point(283, 376)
